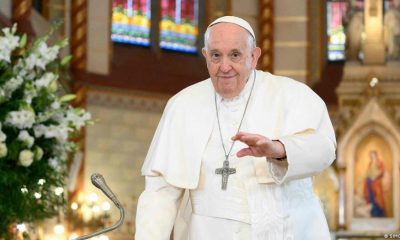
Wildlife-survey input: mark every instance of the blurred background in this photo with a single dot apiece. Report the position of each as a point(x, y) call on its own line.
point(130, 56)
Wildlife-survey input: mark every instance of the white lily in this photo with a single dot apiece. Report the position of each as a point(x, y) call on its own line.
point(25, 158)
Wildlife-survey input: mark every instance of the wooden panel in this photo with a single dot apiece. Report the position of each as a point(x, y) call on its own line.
point(21, 13)
point(266, 38)
point(138, 68)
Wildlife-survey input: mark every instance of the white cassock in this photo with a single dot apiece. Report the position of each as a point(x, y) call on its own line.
point(266, 199)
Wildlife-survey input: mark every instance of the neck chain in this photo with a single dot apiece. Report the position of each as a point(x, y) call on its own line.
point(241, 121)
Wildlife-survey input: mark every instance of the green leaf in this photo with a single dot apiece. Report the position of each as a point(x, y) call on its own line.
point(62, 43)
point(67, 98)
point(23, 40)
point(77, 110)
point(14, 28)
point(66, 60)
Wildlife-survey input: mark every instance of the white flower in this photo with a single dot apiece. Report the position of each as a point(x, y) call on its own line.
point(54, 163)
point(39, 130)
point(3, 136)
point(53, 86)
point(25, 158)
point(24, 136)
point(48, 53)
point(2, 96)
point(42, 56)
point(11, 85)
point(34, 60)
point(78, 119)
point(19, 69)
point(59, 117)
point(4, 52)
point(55, 105)
point(20, 119)
point(3, 150)
point(38, 153)
point(45, 80)
point(59, 132)
point(29, 94)
point(30, 76)
point(8, 43)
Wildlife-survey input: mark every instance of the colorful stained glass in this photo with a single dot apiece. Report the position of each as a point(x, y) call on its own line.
point(179, 25)
point(336, 11)
point(131, 21)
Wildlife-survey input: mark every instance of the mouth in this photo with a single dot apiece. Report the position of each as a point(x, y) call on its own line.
point(226, 77)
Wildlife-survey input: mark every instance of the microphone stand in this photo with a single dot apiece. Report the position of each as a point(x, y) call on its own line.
point(99, 182)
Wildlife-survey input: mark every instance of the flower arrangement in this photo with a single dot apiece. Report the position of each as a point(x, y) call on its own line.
point(36, 125)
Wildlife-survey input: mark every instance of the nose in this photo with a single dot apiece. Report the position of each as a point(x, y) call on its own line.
point(225, 65)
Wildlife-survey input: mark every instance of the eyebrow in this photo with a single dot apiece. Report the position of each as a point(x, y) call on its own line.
point(233, 50)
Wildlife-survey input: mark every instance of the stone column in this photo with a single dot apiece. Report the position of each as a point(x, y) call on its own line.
point(374, 49)
point(290, 39)
point(342, 199)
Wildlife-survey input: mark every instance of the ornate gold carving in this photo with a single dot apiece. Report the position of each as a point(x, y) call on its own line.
point(21, 9)
point(133, 101)
point(351, 103)
point(78, 34)
point(373, 8)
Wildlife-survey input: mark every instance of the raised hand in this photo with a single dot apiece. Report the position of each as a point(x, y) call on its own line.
point(259, 146)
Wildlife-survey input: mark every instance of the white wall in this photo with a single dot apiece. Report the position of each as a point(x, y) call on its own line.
point(117, 144)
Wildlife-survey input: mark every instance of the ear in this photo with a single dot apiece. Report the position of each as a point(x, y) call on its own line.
point(204, 52)
point(255, 55)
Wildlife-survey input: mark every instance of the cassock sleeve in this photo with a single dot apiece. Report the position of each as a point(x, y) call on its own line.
point(310, 142)
point(157, 209)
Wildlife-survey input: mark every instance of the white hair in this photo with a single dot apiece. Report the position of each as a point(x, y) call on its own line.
point(251, 42)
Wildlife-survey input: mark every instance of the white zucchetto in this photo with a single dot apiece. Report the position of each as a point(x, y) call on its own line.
point(235, 20)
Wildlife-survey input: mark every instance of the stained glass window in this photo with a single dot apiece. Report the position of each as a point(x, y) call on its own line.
point(131, 21)
point(339, 14)
point(336, 11)
point(179, 25)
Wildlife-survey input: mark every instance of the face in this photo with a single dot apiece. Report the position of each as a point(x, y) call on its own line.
point(230, 58)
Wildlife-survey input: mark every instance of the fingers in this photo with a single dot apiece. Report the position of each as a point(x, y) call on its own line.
point(250, 139)
point(244, 152)
point(238, 136)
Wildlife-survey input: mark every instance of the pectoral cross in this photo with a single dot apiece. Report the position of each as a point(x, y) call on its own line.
point(225, 171)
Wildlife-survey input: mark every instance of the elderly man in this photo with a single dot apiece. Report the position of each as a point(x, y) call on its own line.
point(245, 144)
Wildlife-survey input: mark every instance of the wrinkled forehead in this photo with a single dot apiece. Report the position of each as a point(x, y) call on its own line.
point(227, 29)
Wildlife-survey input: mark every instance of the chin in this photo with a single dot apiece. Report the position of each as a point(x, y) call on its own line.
point(229, 93)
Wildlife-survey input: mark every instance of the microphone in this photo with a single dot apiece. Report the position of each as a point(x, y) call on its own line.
point(100, 183)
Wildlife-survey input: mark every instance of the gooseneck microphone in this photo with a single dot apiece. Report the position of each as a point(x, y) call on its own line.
point(99, 182)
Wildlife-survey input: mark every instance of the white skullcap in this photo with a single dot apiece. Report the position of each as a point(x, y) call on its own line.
point(235, 20)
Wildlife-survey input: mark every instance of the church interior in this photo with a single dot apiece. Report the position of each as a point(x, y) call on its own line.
point(130, 56)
